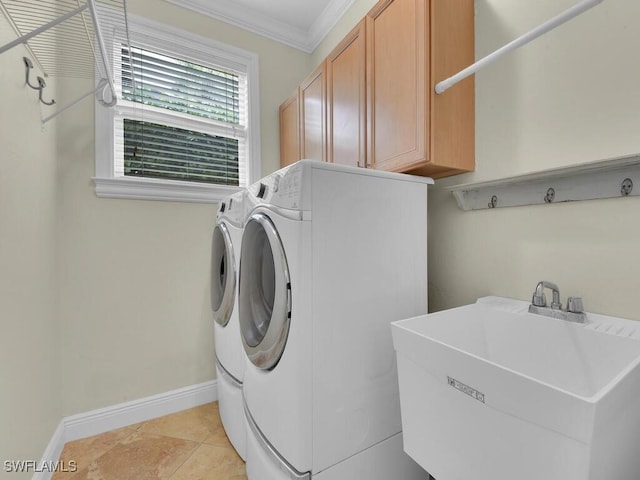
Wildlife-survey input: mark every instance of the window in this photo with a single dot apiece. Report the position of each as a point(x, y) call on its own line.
point(185, 125)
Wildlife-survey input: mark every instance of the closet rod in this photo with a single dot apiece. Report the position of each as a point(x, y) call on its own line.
point(517, 43)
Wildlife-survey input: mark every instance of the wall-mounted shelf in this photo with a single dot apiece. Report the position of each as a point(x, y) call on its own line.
point(68, 38)
point(617, 177)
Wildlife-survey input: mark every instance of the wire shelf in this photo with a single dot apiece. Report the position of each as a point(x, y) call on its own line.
point(69, 38)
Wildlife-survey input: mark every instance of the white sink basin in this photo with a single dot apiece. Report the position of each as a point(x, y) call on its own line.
point(491, 392)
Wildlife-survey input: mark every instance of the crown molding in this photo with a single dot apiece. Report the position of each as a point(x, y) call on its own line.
point(333, 12)
point(269, 27)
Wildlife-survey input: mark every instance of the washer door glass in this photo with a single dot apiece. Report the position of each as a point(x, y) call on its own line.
point(223, 275)
point(264, 302)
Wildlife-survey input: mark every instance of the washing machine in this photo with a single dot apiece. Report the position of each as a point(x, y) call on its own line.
point(230, 357)
point(330, 256)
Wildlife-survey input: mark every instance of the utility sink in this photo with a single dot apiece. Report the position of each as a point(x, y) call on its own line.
point(489, 391)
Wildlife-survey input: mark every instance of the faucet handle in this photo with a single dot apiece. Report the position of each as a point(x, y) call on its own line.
point(574, 304)
point(539, 300)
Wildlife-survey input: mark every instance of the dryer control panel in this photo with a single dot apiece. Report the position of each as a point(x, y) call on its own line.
point(232, 208)
point(284, 188)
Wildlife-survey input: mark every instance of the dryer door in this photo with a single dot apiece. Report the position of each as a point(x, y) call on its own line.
point(223, 275)
point(264, 302)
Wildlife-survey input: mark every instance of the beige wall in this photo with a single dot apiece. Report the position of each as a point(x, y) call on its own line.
point(102, 300)
point(30, 407)
point(571, 96)
point(134, 308)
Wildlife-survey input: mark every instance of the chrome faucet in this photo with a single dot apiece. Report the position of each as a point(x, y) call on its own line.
point(539, 300)
point(574, 311)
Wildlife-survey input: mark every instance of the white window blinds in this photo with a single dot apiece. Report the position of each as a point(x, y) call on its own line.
point(186, 126)
point(180, 120)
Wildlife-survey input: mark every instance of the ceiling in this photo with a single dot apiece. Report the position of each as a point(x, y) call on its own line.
point(301, 24)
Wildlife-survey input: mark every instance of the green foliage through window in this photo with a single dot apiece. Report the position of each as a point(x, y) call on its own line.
point(179, 87)
point(159, 151)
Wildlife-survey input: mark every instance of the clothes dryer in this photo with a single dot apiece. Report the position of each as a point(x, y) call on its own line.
point(230, 358)
point(331, 255)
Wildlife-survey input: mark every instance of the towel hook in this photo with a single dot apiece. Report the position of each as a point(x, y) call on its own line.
point(27, 68)
point(42, 85)
point(28, 65)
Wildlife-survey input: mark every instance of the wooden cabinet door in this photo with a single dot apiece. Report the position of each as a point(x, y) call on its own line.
point(452, 131)
point(289, 130)
point(312, 115)
point(346, 100)
point(371, 103)
point(397, 73)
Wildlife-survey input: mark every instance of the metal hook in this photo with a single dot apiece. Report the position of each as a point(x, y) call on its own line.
point(27, 68)
point(28, 65)
point(42, 85)
point(550, 196)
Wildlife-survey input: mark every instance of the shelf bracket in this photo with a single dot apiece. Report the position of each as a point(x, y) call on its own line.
point(564, 17)
point(103, 53)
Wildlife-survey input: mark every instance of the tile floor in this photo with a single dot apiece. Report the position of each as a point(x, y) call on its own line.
point(188, 445)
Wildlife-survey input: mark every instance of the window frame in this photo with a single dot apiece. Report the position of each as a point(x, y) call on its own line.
point(175, 42)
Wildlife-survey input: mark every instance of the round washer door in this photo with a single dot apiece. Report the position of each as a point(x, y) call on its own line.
point(223, 275)
point(264, 302)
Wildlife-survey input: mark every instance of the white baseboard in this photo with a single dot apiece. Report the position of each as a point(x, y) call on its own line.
point(105, 419)
point(116, 416)
point(51, 453)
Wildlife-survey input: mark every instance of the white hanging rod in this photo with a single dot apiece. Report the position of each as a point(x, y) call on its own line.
point(99, 88)
point(517, 43)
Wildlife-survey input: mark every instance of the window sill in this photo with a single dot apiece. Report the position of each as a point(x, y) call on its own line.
point(166, 190)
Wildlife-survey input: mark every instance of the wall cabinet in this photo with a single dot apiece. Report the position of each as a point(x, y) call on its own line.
point(303, 120)
point(312, 99)
point(411, 45)
point(346, 100)
point(378, 108)
point(289, 130)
